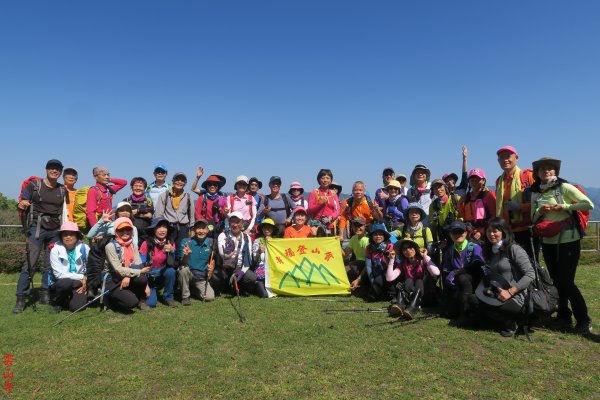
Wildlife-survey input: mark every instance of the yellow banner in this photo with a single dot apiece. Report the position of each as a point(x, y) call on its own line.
point(306, 267)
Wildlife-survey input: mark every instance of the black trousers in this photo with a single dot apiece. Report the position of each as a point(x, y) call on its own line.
point(562, 260)
point(64, 294)
point(220, 280)
point(129, 297)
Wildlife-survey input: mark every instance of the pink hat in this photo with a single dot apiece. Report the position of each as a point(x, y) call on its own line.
point(296, 185)
point(300, 209)
point(70, 226)
point(507, 148)
point(477, 172)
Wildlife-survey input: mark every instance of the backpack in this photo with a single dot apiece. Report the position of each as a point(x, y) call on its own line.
point(26, 216)
point(348, 211)
point(202, 210)
point(525, 184)
point(95, 262)
point(580, 217)
point(286, 202)
point(80, 207)
point(248, 198)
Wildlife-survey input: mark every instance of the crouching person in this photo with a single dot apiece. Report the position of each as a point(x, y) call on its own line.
point(129, 284)
point(377, 257)
point(196, 265)
point(235, 250)
point(158, 253)
point(68, 259)
point(409, 271)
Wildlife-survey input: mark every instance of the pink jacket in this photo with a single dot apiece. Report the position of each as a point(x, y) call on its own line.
point(317, 210)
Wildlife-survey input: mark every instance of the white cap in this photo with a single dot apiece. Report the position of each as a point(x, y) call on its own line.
point(236, 214)
point(242, 178)
point(123, 204)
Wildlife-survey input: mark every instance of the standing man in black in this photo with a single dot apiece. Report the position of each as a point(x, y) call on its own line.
point(44, 210)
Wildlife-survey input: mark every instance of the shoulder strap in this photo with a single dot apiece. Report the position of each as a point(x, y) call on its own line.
point(470, 251)
point(286, 202)
point(83, 253)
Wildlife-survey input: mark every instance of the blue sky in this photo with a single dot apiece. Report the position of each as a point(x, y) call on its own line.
point(285, 88)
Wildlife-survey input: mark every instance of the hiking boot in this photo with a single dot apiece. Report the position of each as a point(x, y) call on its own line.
point(143, 306)
point(510, 329)
point(583, 328)
point(171, 303)
point(44, 296)
point(186, 302)
point(396, 311)
point(20, 305)
point(413, 306)
point(56, 309)
point(561, 324)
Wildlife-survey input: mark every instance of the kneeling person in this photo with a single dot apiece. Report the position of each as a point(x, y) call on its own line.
point(196, 265)
point(68, 259)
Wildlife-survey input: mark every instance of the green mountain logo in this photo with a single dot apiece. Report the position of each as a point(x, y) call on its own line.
point(307, 274)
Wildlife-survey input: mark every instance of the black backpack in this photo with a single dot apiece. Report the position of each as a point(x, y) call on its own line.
point(95, 262)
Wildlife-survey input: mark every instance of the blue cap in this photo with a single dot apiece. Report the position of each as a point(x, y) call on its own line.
point(161, 166)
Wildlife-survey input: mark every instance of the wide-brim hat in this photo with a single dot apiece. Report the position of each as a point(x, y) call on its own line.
point(71, 226)
point(336, 186)
point(296, 185)
point(417, 167)
point(415, 206)
point(220, 180)
point(154, 223)
point(399, 244)
point(436, 182)
point(259, 183)
point(379, 228)
point(545, 161)
point(488, 281)
point(394, 183)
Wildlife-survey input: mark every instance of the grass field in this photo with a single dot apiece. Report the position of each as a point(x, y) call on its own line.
point(288, 348)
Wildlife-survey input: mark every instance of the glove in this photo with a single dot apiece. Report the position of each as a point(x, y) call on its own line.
point(236, 276)
point(513, 205)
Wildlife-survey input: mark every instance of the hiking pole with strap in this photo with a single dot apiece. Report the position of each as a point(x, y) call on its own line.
point(88, 303)
point(24, 219)
point(211, 261)
point(415, 320)
point(367, 310)
point(239, 309)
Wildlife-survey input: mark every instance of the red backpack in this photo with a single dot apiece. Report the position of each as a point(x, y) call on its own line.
point(24, 185)
point(581, 217)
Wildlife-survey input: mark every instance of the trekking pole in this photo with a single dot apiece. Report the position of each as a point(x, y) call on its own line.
point(208, 273)
point(239, 310)
point(88, 303)
point(394, 321)
point(367, 310)
point(415, 320)
point(24, 218)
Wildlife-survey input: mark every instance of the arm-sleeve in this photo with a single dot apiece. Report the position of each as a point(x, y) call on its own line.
point(463, 181)
point(117, 184)
point(572, 194)
point(99, 229)
point(392, 273)
point(113, 260)
point(522, 262)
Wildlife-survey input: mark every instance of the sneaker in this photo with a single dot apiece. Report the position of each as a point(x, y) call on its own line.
point(583, 328)
point(510, 329)
point(396, 311)
point(186, 302)
point(143, 306)
point(172, 303)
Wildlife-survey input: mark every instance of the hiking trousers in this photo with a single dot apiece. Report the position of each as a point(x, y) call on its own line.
point(36, 245)
point(129, 297)
point(562, 260)
point(64, 291)
point(194, 282)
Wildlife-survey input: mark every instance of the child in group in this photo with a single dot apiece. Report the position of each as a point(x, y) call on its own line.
point(196, 265)
point(377, 256)
point(266, 230)
point(414, 227)
point(299, 229)
point(295, 192)
point(243, 203)
point(409, 270)
point(158, 253)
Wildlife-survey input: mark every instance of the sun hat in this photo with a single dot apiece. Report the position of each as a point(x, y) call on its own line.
point(546, 161)
point(358, 220)
point(259, 183)
point(336, 186)
point(399, 244)
point(415, 206)
point(379, 228)
point(70, 226)
point(415, 169)
point(296, 185)
point(220, 180)
point(437, 182)
point(154, 223)
point(394, 183)
point(200, 221)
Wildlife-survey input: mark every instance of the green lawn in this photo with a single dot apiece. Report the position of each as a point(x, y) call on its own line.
point(288, 348)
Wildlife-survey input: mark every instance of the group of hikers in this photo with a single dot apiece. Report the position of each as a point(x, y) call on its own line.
point(416, 241)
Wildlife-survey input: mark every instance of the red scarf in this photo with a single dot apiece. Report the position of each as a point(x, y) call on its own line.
point(127, 250)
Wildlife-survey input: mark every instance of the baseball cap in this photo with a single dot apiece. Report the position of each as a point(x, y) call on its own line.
point(54, 163)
